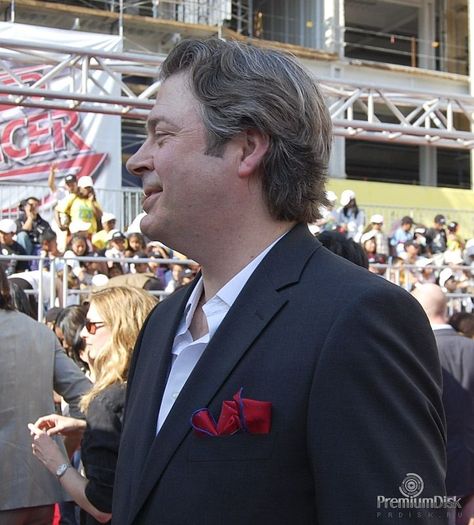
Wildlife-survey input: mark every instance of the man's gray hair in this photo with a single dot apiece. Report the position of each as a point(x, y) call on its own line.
point(240, 87)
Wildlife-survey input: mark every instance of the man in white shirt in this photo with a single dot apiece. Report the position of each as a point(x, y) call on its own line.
point(268, 391)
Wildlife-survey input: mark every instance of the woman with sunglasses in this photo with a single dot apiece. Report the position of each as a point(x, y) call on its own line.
point(113, 322)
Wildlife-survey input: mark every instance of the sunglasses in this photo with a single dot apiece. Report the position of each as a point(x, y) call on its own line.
point(92, 326)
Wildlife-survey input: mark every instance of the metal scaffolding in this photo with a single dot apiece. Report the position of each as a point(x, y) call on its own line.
point(359, 111)
point(82, 92)
point(383, 114)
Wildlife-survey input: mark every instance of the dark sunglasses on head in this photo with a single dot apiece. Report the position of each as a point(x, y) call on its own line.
point(92, 326)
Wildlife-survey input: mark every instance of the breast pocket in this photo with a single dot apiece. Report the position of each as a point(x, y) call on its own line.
point(239, 447)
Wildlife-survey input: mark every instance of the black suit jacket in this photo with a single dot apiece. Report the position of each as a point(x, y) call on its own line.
point(457, 359)
point(350, 366)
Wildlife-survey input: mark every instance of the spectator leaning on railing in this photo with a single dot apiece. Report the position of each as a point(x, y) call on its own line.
point(436, 235)
point(349, 217)
point(101, 238)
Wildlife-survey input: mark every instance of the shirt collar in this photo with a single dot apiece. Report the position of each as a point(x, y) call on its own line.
point(227, 294)
point(190, 308)
point(443, 326)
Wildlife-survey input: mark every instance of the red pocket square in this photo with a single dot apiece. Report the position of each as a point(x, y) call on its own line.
point(246, 415)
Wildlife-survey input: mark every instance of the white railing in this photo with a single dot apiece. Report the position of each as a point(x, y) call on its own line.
point(408, 275)
point(59, 292)
point(394, 273)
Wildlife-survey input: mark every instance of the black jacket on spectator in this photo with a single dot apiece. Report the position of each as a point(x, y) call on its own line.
point(100, 446)
point(13, 266)
point(40, 225)
point(456, 354)
point(436, 240)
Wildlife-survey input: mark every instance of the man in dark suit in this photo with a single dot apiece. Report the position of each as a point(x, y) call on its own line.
point(337, 368)
point(456, 354)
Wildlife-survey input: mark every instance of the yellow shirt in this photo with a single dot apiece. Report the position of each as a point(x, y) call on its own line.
point(100, 239)
point(80, 209)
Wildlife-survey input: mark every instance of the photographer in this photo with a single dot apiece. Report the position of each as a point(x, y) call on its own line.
point(30, 226)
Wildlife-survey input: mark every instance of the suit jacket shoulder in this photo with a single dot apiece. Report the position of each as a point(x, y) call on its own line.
point(457, 356)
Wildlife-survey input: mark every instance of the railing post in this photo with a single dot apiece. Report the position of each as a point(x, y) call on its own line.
point(250, 18)
point(239, 17)
point(121, 18)
point(40, 290)
point(413, 51)
point(52, 282)
point(65, 289)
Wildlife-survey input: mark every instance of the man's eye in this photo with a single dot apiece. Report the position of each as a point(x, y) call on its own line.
point(160, 137)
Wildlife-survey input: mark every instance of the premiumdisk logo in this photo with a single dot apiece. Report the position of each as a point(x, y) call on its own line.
point(412, 486)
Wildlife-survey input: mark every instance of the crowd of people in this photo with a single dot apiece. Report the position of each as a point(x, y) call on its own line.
point(80, 231)
point(406, 252)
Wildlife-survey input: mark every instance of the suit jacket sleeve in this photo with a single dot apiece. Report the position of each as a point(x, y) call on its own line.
point(69, 381)
point(375, 411)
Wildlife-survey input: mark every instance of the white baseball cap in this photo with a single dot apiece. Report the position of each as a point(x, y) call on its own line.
point(376, 219)
point(331, 196)
point(107, 217)
point(367, 236)
point(100, 280)
point(444, 276)
point(346, 197)
point(7, 226)
point(85, 182)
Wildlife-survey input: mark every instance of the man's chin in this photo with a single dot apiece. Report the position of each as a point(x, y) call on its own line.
point(149, 227)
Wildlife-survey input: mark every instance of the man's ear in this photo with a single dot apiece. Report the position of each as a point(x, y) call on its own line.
point(254, 147)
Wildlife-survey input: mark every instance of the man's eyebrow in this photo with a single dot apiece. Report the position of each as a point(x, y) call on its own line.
point(153, 122)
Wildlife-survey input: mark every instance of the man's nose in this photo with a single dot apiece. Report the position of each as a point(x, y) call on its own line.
point(141, 161)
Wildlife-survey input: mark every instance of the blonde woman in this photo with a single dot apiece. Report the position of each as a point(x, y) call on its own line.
point(113, 322)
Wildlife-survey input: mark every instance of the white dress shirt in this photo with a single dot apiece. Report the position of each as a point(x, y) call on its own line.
point(187, 352)
point(435, 326)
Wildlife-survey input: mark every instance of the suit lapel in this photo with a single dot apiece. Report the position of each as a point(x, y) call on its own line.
point(259, 301)
point(152, 372)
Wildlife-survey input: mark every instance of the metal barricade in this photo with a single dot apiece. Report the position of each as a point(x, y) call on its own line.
point(407, 275)
point(59, 295)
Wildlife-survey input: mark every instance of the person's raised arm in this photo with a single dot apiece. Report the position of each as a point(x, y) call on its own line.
point(52, 178)
point(69, 380)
